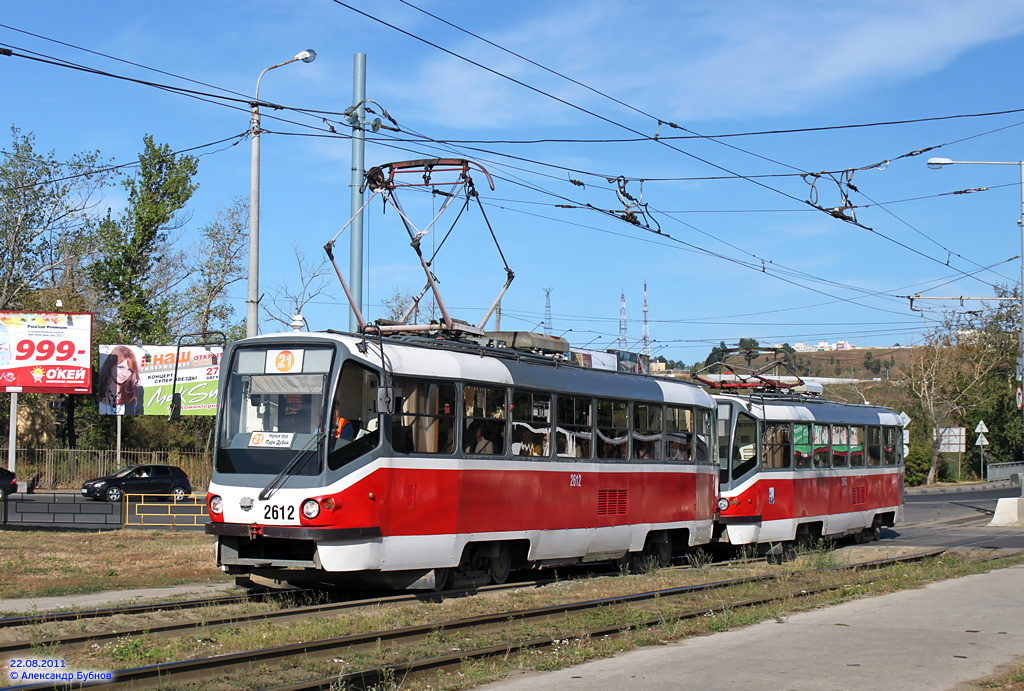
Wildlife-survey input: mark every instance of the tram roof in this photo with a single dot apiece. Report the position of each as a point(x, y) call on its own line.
point(795, 408)
point(470, 362)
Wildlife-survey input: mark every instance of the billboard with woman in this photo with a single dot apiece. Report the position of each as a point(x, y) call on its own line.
point(140, 379)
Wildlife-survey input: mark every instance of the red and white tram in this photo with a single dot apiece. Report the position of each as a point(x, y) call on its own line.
point(798, 467)
point(403, 462)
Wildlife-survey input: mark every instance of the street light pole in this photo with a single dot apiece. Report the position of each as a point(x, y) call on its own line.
point(252, 295)
point(936, 163)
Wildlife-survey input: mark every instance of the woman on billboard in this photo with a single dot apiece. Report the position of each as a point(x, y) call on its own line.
point(119, 389)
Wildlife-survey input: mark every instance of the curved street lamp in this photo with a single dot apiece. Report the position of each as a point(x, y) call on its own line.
point(251, 313)
point(936, 163)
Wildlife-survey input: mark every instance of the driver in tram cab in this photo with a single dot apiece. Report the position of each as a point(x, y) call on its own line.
point(477, 443)
point(341, 429)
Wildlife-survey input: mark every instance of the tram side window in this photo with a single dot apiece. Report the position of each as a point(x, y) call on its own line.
point(647, 431)
point(612, 429)
point(702, 443)
point(679, 434)
point(484, 429)
point(573, 433)
point(822, 446)
point(744, 446)
point(354, 425)
point(531, 423)
point(874, 446)
point(857, 447)
point(424, 419)
point(802, 447)
point(889, 446)
point(840, 446)
point(777, 446)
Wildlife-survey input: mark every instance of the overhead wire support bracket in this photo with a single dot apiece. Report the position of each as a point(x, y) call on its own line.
point(960, 298)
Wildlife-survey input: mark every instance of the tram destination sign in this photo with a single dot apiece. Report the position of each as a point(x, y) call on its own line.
point(45, 352)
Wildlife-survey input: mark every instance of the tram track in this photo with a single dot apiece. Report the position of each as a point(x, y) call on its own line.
point(372, 678)
point(173, 672)
point(69, 641)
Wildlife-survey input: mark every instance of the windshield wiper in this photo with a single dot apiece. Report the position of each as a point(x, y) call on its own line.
point(278, 480)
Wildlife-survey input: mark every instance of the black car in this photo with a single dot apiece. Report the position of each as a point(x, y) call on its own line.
point(139, 479)
point(8, 484)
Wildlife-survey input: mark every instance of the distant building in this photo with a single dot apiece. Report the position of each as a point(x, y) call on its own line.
point(823, 346)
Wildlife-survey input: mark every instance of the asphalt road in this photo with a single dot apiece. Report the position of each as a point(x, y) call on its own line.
point(954, 518)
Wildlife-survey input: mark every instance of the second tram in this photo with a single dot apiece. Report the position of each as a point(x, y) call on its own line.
point(797, 467)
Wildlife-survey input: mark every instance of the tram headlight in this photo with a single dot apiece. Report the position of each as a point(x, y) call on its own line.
point(216, 505)
point(310, 508)
point(723, 504)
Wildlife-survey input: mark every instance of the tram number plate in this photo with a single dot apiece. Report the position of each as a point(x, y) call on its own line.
point(272, 512)
point(575, 480)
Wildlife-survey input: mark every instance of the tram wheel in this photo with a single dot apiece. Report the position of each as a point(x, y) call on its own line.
point(499, 566)
point(860, 537)
point(441, 579)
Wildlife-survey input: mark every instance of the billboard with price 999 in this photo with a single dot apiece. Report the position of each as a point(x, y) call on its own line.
point(45, 352)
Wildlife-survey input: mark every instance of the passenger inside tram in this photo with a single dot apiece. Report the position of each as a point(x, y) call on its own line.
point(476, 442)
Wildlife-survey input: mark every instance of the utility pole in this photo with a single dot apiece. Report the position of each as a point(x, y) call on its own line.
point(357, 118)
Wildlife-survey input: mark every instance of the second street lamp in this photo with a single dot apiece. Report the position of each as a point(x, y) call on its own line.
point(252, 294)
point(936, 163)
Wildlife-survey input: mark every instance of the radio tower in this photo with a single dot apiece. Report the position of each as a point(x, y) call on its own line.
point(647, 332)
point(547, 311)
point(623, 338)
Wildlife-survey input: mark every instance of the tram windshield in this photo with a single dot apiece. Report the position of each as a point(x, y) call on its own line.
point(273, 409)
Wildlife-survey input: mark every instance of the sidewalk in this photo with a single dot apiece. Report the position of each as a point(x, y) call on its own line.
point(114, 597)
point(931, 638)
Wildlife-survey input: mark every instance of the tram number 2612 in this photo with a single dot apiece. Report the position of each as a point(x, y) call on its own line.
point(277, 513)
point(575, 480)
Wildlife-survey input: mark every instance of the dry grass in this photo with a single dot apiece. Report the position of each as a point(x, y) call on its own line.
point(1006, 678)
point(43, 563)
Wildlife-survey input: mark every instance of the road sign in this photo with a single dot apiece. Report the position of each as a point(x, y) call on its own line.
point(951, 439)
point(906, 450)
point(982, 441)
point(1020, 398)
point(981, 428)
point(904, 419)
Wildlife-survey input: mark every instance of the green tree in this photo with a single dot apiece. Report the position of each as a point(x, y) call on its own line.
point(46, 224)
point(948, 378)
point(130, 246)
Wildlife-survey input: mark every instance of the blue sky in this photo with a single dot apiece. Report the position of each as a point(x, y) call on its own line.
point(713, 68)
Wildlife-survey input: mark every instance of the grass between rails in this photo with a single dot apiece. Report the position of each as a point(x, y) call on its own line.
point(44, 563)
point(574, 645)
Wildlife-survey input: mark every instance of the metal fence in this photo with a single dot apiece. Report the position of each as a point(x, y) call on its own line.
point(49, 469)
point(159, 511)
point(1004, 471)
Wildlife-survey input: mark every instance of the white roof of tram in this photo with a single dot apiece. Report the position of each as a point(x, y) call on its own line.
point(441, 361)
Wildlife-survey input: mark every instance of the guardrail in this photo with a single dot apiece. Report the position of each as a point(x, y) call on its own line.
point(67, 510)
point(1004, 471)
point(162, 511)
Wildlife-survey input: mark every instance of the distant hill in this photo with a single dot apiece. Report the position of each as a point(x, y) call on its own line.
point(864, 364)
